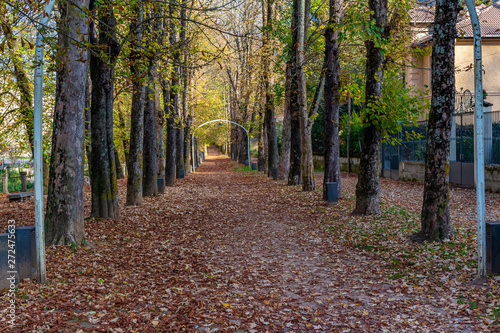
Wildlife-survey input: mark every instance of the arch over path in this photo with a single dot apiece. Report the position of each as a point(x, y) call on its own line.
point(219, 120)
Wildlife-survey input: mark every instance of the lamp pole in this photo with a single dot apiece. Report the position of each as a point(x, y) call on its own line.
point(38, 143)
point(478, 140)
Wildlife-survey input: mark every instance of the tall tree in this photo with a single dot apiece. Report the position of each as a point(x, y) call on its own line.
point(178, 48)
point(135, 160)
point(294, 175)
point(150, 165)
point(65, 216)
point(306, 160)
point(367, 188)
point(435, 220)
point(332, 98)
point(171, 104)
point(284, 159)
point(270, 123)
point(102, 69)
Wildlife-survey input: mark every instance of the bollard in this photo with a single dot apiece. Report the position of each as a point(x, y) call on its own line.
point(23, 175)
point(331, 193)
point(160, 182)
point(181, 174)
point(5, 181)
point(9, 275)
point(246, 162)
point(274, 173)
point(254, 166)
point(26, 252)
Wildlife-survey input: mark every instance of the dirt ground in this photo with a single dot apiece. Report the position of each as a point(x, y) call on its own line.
point(235, 251)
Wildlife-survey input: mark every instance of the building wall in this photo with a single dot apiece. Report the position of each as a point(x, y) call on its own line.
point(464, 59)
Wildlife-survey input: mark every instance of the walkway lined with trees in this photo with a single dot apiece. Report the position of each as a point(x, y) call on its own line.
point(231, 249)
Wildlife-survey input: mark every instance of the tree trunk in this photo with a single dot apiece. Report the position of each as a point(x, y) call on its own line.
point(119, 169)
point(160, 146)
point(171, 103)
point(305, 123)
point(65, 215)
point(187, 142)
point(270, 122)
point(125, 141)
point(150, 171)
point(184, 82)
point(435, 221)
point(284, 159)
point(332, 99)
point(103, 170)
point(158, 31)
point(367, 188)
point(296, 89)
point(135, 160)
point(261, 157)
point(179, 167)
point(168, 96)
point(87, 119)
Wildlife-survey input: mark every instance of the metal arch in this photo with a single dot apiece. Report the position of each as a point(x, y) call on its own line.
point(214, 121)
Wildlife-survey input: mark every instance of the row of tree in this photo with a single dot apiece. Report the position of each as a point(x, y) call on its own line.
point(133, 78)
point(382, 28)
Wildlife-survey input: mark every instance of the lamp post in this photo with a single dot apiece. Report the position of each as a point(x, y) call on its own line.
point(478, 141)
point(38, 153)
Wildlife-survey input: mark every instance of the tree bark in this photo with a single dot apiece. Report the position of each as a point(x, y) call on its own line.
point(187, 141)
point(135, 160)
point(119, 169)
point(435, 220)
point(261, 156)
point(294, 175)
point(332, 99)
point(171, 135)
point(171, 103)
point(307, 168)
point(270, 122)
point(284, 159)
point(150, 173)
point(179, 149)
point(367, 188)
point(103, 170)
point(160, 146)
point(65, 215)
point(87, 119)
point(123, 127)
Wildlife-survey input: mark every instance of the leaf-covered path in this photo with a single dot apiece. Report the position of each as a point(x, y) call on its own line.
point(236, 251)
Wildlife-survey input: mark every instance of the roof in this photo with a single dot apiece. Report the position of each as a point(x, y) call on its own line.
point(422, 14)
point(489, 20)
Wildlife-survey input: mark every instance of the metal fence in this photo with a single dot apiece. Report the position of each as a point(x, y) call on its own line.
point(14, 180)
point(413, 141)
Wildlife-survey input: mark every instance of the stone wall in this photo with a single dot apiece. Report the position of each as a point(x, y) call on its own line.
point(412, 171)
point(492, 178)
point(319, 163)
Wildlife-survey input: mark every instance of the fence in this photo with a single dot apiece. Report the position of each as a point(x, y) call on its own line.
point(14, 179)
point(412, 149)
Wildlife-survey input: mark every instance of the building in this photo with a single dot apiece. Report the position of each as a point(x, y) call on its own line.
point(422, 18)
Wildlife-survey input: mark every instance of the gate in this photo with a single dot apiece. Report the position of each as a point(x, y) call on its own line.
point(390, 161)
point(462, 141)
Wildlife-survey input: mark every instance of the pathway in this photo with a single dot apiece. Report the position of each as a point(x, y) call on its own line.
point(227, 251)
